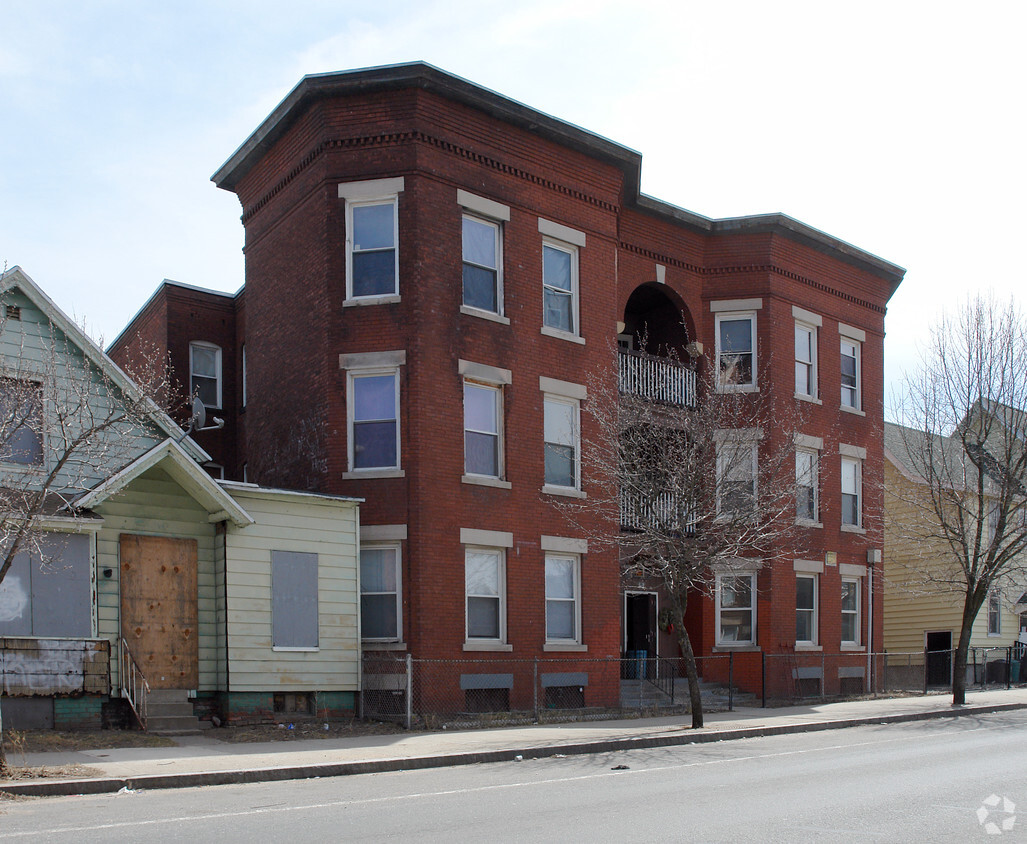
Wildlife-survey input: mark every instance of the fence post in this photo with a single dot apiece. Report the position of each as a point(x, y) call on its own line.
point(410, 691)
point(534, 690)
point(984, 673)
point(823, 675)
point(731, 681)
point(926, 652)
point(763, 676)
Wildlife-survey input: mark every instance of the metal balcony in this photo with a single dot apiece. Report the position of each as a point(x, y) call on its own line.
point(638, 514)
point(658, 379)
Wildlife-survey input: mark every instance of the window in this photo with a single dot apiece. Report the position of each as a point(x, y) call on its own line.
point(294, 600)
point(48, 590)
point(381, 616)
point(559, 286)
point(482, 422)
point(563, 616)
point(482, 264)
point(807, 503)
point(485, 590)
point(374, 431)
point(373, 257)
point(805, 609)
point(850, 355)
point(851, 482)
point(205, 373)
point(736, 478)
point(372, 239)
point(995, 612)
point(850, 611)
point(805, 360)
point(21, 422)
point(736, 608)
point(736, 345)
point(561, 434)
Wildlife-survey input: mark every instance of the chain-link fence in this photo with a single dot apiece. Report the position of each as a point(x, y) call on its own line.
point(438, 693)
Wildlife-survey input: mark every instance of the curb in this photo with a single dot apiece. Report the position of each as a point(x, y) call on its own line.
point(107, 785)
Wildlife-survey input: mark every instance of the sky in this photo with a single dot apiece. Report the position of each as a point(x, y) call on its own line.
point(895, 126)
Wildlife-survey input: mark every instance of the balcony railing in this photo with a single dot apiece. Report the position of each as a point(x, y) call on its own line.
point(638, 512)
point(658, 379)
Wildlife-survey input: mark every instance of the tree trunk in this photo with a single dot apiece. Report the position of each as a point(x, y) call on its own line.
point(678, 604)
point(4, 770)
point(971, 607)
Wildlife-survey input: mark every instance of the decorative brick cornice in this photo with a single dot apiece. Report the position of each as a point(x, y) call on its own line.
point(400, 138)
point(736, 269)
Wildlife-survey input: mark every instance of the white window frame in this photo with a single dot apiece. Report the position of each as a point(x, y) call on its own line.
point(572, 251)
point(575, 599)
point(807, 324)
point(729, 457)
point(857, 464)
point(995, 611)
point(852, 338)
point(721, 641)
point(397, 561)
point(218, 374)
point(499, 640)
point(729, 316)
point(854, 613)
point(813, 612)
point(497, 392)
point(365, 194)
point(814, 456)
point(575, 407)
point(364, 364)
point(497, 230)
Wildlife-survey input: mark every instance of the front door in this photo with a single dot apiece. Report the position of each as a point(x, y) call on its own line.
point(159, 608)
point(939, 658)
point(640, 622)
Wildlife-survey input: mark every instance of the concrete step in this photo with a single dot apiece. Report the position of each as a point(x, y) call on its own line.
point(169, 712)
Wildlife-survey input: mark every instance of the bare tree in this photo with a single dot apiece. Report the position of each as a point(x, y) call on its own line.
point(68, 420)
point(964, 442)
point(700, 488)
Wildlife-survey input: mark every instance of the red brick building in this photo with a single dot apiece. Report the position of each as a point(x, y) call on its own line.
point(432, 271)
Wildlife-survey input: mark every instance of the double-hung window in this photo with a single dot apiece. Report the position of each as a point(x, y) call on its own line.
point(485, 584)
point(481, 264)
point(563, 599)
point(21, 422)
point(736, 474)
point(372, 239)
point(483, 412)
point(805, 609)
point(807, 478)
point(561, 434)
point(381, 616)
point(205, 373)
point(995, 612)
point(850, 611)
point(372, 405)
point(560, 246)
point(483, 387)
point(852, 340)
point(806, 325)
point(735, 334)
point(852, 485)
point(736, 609)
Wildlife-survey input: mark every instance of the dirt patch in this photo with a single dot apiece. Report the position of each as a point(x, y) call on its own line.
point(59, 772)
point(54, 741)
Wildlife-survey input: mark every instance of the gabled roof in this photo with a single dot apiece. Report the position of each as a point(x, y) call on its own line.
point(16, 278)
point(174, 460)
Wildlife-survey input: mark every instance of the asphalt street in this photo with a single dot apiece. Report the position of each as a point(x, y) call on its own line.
point(922, 781)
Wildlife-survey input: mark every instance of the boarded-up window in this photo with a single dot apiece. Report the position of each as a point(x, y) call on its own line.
point(294, 599)
point(21, 422)
point(49, 593)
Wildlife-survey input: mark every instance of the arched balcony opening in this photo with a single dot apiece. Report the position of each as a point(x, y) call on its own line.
point(657, 356)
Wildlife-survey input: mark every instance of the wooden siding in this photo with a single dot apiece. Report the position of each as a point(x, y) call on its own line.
point(324, 527)
point(54, 666)
point(155, 505)
point(910, 611)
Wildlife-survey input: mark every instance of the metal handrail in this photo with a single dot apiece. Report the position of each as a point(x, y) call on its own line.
point(659, 379)
point(134, 686)
point(661, 673)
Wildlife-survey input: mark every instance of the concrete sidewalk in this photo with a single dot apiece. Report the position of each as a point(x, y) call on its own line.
point(203, 760)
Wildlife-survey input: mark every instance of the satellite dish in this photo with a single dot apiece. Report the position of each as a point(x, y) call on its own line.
point(199, 418)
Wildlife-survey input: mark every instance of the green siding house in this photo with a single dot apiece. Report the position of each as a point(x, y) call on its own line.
point(139, 587)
